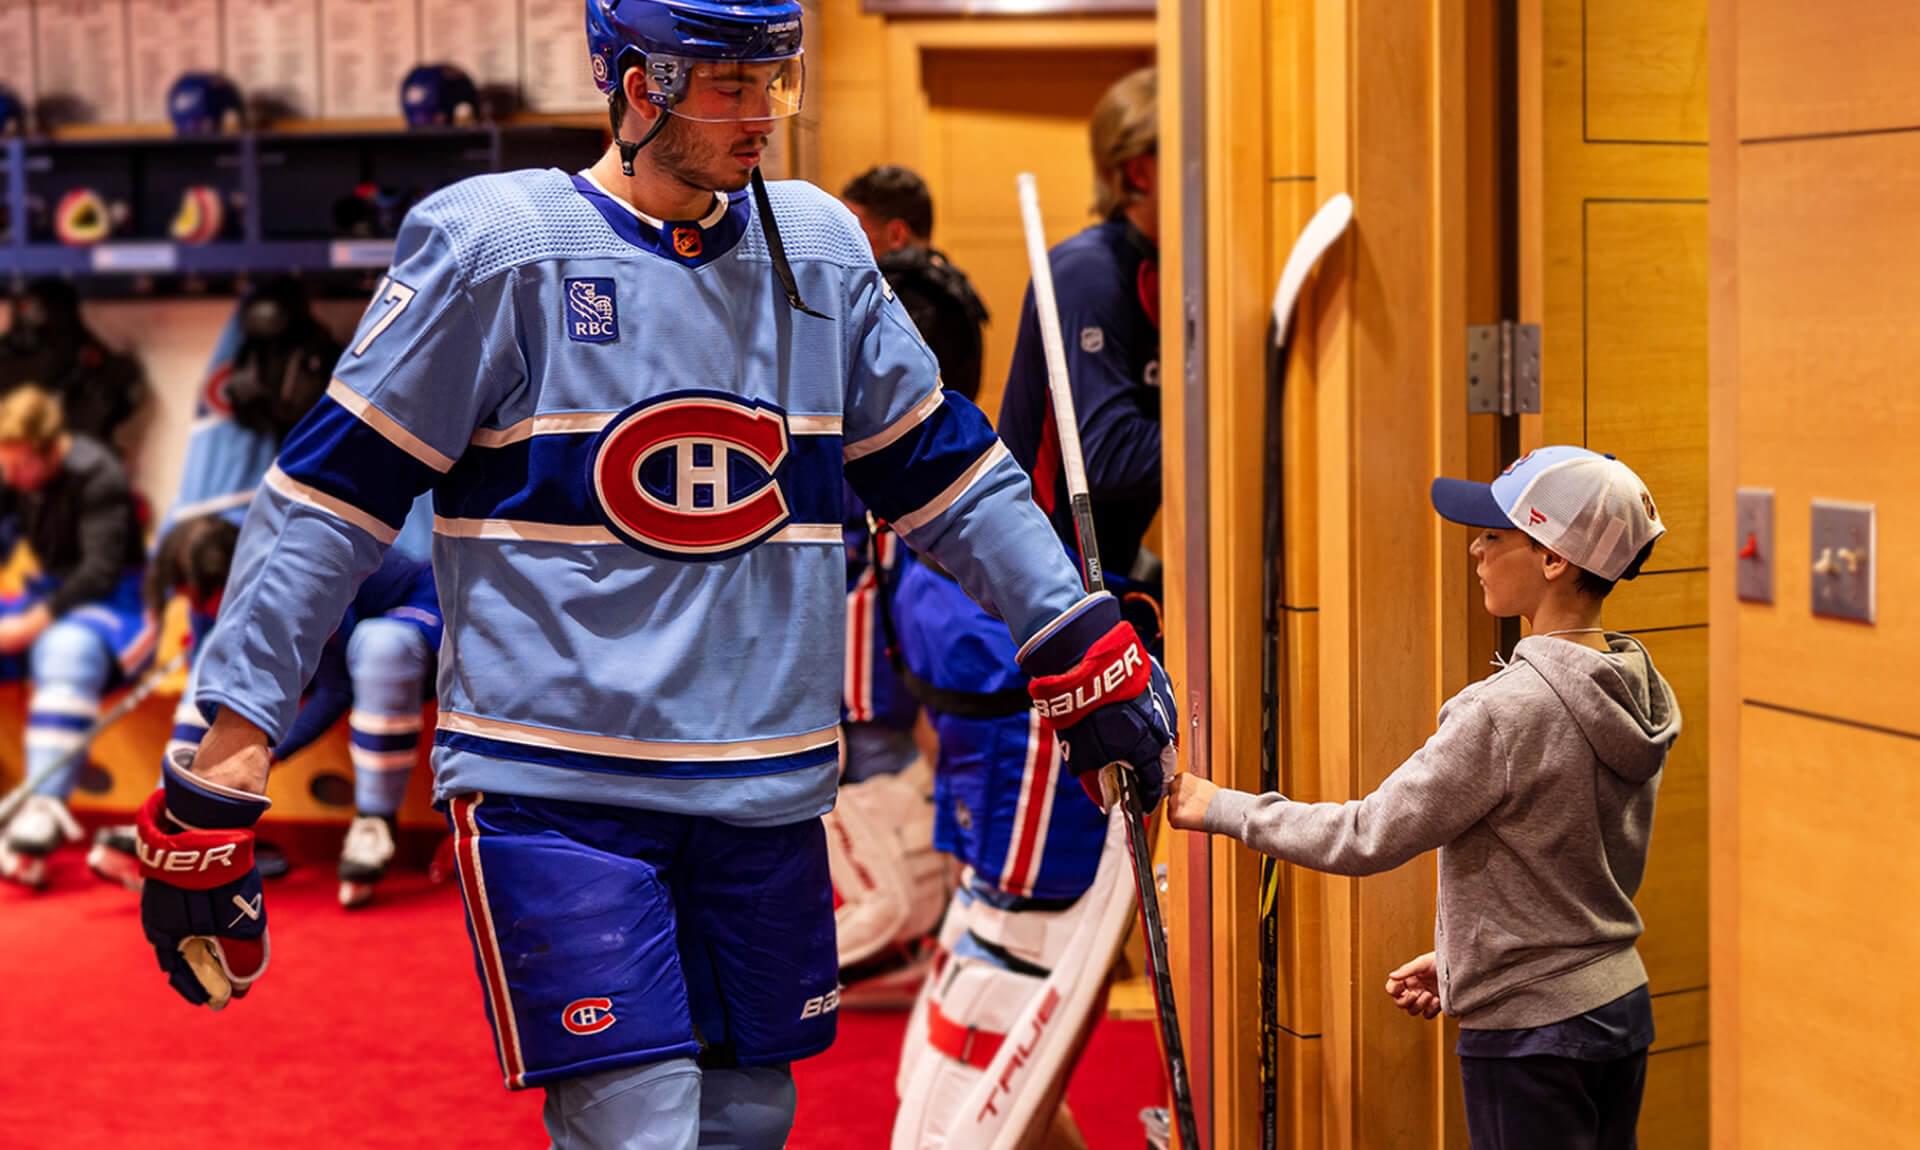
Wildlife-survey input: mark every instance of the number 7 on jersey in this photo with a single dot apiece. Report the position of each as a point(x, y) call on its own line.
point(396, 296)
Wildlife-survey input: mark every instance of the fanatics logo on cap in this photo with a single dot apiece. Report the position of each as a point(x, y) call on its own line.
point(588, 1015)
point(1534, 518)
point(591, 315)
point(686, 243)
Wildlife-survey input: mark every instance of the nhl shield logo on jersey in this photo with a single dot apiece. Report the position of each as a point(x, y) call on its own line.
point(693, 475)
point(686, 242)
point(591, 315)
point(588, 1015)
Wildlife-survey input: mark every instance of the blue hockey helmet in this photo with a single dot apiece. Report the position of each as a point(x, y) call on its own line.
point(437, 95)
point(204, 104)
point(676, 39)
point(13, 114)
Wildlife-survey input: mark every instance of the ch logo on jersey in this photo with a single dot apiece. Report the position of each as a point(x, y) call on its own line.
point(686, 242)
point(590, 313)
point(693, 475)
point(588, 1015)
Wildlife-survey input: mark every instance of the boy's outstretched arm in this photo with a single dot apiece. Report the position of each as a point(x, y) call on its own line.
point(1428, 801)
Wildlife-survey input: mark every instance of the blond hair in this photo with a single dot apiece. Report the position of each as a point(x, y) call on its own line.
point(1126, 124)
point(32, 416)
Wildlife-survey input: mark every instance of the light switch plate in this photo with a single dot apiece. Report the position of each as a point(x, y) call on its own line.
point(1753, 544)
point(1843, 556)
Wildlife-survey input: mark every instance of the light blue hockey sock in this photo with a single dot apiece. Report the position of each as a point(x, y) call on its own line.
point(70, 665)
point(387, 661)
point(747, 1108)
point(652, 1107)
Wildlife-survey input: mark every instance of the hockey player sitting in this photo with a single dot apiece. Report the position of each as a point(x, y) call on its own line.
point(376, 668)
point(636, 406)
point(79, 628)
point(1044, 901)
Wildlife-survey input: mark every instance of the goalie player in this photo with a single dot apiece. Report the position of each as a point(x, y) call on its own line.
point(635, 392)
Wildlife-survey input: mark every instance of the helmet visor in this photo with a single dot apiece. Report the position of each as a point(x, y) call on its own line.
point(721, 91)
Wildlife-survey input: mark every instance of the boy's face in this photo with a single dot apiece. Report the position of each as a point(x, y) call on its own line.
point(1512, 572)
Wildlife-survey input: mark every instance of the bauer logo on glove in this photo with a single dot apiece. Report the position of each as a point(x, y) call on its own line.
point(201, 905)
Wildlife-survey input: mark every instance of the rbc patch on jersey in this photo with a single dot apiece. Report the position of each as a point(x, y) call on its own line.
point(590, 312)
point(692, 475)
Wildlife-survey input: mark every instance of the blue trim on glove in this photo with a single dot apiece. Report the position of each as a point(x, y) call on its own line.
point(1065, 641)
point(193, 802)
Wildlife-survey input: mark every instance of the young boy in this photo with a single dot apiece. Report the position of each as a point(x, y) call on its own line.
point(1538, 790)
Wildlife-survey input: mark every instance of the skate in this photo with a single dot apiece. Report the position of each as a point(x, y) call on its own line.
point(364, 859)
point(40, 828)
point(115, 857)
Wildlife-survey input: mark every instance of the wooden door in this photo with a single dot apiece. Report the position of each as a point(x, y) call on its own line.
point(991, 114)
point(1614, 266)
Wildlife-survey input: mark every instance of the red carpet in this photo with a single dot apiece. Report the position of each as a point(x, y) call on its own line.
point(367, 1032)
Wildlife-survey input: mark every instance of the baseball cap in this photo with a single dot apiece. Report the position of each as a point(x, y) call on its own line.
point(1587, 507)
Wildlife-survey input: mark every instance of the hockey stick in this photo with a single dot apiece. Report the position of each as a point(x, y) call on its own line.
point(1327, 225)
point(143, 687)
point(1134, 811)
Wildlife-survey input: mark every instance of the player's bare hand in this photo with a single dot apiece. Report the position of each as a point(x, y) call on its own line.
point(234, 754)
point(1415, 987)
point(18, 632)
point(1188, 796)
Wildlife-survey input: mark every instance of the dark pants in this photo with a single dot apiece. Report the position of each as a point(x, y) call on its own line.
point(1547, 1103)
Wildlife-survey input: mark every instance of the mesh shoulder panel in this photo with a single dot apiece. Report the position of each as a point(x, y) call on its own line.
point(813, 226)
point(506, 219)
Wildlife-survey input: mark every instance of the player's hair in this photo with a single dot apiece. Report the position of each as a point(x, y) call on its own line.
point(894, 193)
point(1598, 586)
point(31, 415)
point(196, 554)
point(1126, 124)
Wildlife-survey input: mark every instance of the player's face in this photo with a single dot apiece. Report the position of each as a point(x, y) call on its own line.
point(25, 469)
point(717, 155)
point(1511, 572)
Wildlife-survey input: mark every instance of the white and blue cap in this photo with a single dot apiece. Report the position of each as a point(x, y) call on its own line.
point(1588, 508)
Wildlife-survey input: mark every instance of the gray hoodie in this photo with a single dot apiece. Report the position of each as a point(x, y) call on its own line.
point(1538, 790)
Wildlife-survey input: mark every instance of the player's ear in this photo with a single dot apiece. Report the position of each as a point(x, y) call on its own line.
point(633, 83)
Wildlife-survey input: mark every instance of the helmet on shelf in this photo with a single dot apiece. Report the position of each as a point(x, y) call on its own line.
point(205, 104)
point(438, 96)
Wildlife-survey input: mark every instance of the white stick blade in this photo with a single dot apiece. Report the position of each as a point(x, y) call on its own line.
point(1327, 225)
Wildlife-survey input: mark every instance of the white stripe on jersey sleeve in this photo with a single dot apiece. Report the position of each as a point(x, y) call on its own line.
point(340, 509)
point(389, 428)
point(915, 416)
point(909, 523)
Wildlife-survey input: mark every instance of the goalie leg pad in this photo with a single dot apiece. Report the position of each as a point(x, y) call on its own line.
point(1000, 1043)
point(889, 883)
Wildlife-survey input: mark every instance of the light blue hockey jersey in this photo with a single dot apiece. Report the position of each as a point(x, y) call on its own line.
point(636, 450)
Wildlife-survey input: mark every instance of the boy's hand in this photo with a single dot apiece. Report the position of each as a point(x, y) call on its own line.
point(1188, 796)
point(1415, 987)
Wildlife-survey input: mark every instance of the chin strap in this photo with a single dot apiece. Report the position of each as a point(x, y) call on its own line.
point(629, 148)
point(782, 271)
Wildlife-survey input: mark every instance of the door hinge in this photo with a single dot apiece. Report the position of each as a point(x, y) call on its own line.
point(1503, 368)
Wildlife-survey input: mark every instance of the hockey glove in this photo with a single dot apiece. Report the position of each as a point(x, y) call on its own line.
point(1106, 699)
point(201, 905)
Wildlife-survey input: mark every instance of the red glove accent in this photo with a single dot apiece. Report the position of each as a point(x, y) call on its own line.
point(1114, 668)
point(189, 859)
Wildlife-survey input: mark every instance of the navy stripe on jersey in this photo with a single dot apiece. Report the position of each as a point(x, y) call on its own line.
point(915, 469)
point(332, 451)
point(546, 479)
point(646, 768)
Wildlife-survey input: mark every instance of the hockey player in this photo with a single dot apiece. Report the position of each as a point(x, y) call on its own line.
point(1045, 880)
point(896, 212)
point(635, 405)
point(1107, 283)
point(376, 668)
point(79, 628)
